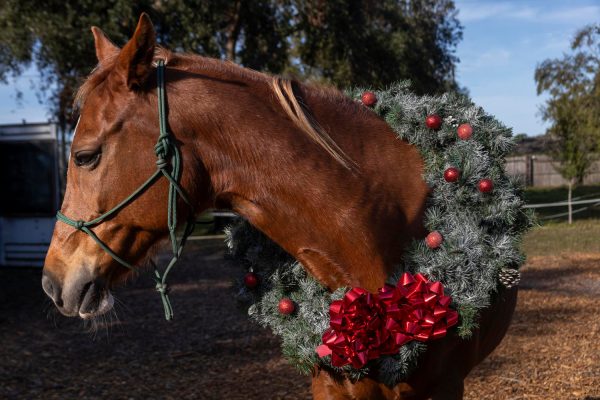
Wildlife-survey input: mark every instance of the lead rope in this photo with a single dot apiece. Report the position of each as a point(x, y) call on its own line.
point(164, 148)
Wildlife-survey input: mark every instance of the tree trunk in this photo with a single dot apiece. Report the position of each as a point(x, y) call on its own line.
point(570, 205)
point(233, 31)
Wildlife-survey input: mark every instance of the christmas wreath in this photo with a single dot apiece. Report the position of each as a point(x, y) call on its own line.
point(476, 221)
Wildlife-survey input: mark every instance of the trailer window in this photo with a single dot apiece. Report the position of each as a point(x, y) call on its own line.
point(28, 178)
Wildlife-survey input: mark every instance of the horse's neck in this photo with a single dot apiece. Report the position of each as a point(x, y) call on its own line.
point(347, 228)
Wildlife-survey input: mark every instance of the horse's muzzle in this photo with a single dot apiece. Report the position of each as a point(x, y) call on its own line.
point(85, 297)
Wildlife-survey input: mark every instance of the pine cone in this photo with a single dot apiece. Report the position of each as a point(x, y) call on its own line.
point(509, 277)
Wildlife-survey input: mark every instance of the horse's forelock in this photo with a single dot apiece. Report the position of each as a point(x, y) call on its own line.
point(95, 78)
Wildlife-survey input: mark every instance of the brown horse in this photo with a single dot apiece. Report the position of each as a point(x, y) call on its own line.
point(322, 176)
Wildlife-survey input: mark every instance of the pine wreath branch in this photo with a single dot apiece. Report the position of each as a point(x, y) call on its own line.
point(482, 233)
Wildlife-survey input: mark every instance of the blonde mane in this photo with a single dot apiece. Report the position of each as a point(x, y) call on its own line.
point(303, 119)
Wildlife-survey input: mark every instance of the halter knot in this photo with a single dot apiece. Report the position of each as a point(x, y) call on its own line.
point(161, 163)
point(79, 225)
point(162, 288)
point(161, 149)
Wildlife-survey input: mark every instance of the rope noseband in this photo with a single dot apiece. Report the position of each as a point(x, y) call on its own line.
point(164, 148)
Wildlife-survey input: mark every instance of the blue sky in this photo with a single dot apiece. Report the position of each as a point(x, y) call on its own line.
point(503, 42)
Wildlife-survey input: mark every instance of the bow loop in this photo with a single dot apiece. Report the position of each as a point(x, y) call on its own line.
point(364, 326)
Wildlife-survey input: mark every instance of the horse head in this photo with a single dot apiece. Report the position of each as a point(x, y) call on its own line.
point(112, 153)
point(285, 156)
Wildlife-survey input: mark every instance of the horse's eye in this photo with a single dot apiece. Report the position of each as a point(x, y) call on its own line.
point(86, 158)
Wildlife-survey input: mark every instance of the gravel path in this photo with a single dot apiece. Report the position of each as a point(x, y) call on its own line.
point(212, 351)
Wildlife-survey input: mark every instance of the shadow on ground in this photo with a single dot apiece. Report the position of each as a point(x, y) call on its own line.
point(212, 351)
point(209, 351)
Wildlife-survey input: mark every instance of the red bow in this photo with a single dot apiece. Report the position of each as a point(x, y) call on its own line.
point(364, 326)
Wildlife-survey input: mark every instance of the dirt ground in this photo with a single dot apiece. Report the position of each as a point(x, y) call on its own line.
point(212, 351)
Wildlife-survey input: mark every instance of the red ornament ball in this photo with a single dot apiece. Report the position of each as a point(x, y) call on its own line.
point(251, 280)
point(286, 306)
point(451, 174)
point(434, 240)
point(485, 185)
point(433, 121)
point(369, 99)
point(464, 131)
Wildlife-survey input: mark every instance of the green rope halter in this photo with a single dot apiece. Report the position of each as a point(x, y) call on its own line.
point(164, 148)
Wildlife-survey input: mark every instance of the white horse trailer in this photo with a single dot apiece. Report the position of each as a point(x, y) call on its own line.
point(31, 161)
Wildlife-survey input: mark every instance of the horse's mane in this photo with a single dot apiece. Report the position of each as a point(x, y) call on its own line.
point(283, 89)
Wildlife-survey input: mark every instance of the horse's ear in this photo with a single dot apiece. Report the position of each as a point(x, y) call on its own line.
point(135, 60)
point(105, 49)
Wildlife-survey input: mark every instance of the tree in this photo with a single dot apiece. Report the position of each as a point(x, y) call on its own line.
point(378, 42)
point(573, 83)
point(353, 42)
point(56, 37)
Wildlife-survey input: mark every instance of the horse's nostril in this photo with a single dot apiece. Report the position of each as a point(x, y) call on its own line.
point(91, 297)
point(52, 289)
